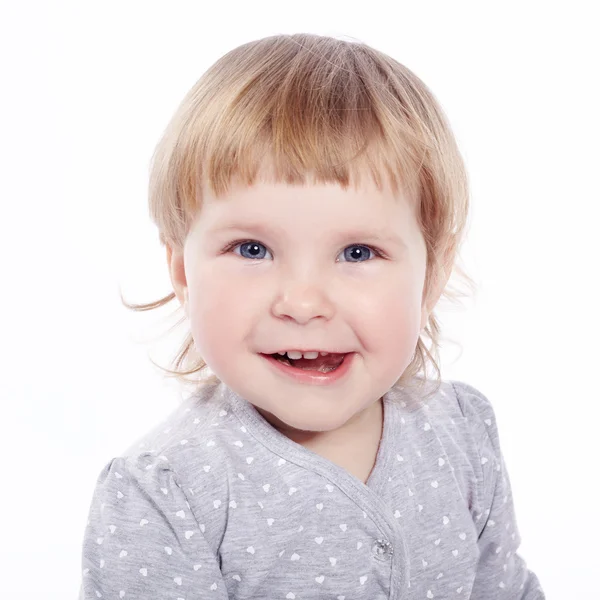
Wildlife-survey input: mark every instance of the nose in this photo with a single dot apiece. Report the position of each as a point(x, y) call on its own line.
point(302, 303)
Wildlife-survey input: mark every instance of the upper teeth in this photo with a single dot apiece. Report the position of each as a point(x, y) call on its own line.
point(294, 355)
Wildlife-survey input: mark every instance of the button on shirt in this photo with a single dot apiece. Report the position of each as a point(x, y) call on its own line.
point(216, 503)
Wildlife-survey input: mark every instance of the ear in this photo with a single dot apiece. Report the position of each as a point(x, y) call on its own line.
point(176, 266)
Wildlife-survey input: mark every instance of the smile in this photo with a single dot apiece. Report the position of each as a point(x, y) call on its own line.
point(321, 370)
point(312, 361)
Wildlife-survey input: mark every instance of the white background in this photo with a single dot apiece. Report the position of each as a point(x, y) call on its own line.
point(86, 90)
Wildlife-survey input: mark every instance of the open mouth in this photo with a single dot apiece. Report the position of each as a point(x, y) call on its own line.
point(322, 364)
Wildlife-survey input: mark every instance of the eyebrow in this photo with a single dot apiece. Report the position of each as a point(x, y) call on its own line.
point(258, 228)
point(356, 235)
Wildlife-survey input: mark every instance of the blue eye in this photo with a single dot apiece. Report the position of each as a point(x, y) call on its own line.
point(357, 253)
point(253, 250)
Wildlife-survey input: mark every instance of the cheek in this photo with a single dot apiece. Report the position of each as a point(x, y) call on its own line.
point(220, 311)
point(388, 316)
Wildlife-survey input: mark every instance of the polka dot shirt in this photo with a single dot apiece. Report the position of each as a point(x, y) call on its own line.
point(216, 503)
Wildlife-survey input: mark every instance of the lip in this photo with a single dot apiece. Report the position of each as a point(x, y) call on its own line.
point(312, 377)
point(305, 351)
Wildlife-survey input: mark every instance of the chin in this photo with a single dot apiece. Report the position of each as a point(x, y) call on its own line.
point(312, 421)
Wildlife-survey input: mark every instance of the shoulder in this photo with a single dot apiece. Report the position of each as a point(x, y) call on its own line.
point(144, 471)
point(469, 414)
point(185, 425)
point(175, 470)
point(482, 430)
point(461, 414)
point(474, 440)
point(173, 451)
point(478, 410)
point(459, 403)
point(471, 401)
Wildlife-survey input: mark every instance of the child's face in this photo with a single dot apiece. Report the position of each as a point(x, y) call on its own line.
point(309, 288)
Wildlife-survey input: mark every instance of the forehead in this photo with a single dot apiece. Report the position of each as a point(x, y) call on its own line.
point(312, 207)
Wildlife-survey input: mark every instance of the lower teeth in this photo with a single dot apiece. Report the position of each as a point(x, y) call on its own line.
point(324, 369)
point(321, 369)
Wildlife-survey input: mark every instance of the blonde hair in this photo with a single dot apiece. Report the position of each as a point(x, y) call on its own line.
point(323, 108)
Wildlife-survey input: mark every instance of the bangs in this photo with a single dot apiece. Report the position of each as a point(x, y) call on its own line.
point(319, 123)
point(293, 113)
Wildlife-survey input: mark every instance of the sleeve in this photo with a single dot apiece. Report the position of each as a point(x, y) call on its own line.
point(142, 540)
point(501, 572)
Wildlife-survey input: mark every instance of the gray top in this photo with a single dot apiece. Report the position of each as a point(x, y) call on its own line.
point(216, 503)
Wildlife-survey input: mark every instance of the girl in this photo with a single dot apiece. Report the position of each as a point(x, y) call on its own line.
point(312, 200)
